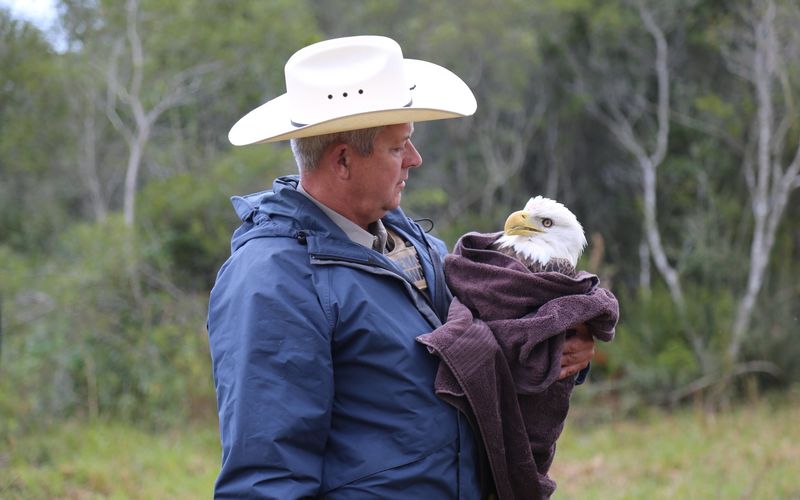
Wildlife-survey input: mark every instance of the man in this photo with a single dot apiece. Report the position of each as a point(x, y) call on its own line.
point(322, 389)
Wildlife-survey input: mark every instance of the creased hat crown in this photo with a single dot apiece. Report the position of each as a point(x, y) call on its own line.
point(346, 76)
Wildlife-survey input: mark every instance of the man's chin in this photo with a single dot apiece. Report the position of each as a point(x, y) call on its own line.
point(394, 203)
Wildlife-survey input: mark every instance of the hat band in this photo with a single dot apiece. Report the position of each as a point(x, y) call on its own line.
point(300, 125)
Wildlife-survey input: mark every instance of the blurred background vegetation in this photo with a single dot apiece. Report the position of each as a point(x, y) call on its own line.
point(671, 129)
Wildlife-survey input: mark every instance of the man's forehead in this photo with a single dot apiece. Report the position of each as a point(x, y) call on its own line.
point(404, 130)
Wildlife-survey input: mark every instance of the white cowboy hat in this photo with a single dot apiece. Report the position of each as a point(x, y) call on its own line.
point(353, 83)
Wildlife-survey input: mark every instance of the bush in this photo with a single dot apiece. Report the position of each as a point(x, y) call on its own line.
point(188, 219)
point(94, 334)
point(657, 353)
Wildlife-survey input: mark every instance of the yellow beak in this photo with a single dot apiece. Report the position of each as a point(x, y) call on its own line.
point(520, 224)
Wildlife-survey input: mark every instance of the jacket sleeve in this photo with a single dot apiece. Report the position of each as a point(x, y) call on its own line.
point(270, 347)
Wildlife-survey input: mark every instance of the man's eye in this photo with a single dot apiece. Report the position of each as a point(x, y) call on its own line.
point(547, 222)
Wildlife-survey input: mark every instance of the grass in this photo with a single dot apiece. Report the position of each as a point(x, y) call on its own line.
point(751, 452)
point(107, 460)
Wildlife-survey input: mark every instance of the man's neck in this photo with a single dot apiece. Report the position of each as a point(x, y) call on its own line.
point(363, 236)
point(335, 203)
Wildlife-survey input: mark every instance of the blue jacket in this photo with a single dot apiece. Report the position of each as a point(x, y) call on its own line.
point(322, 390)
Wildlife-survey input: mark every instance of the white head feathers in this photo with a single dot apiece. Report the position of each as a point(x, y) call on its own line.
point(545, 229)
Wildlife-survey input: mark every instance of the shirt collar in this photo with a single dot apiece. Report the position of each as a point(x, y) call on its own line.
point(353, 231)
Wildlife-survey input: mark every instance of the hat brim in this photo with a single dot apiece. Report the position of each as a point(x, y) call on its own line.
point(437, 94)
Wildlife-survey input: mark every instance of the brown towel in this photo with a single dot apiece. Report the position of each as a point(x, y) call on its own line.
point(500, 352)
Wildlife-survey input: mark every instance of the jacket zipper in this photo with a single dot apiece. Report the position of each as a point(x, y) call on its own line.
point(326, 258)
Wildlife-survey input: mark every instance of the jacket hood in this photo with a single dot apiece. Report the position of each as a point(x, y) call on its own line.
point(279, 212)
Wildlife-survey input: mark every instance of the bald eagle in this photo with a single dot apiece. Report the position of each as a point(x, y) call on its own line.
point(545, 236)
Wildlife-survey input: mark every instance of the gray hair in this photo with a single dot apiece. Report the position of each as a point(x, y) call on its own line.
point(308, 151)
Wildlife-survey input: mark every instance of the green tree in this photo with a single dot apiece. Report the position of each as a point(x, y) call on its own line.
point(32, 204)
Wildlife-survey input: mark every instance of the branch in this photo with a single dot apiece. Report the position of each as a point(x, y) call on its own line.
point(708, 129)
point(706, 381)
point(749, 163)
point(624, 133)
point(790, 113)
point(784, 184)
point(113, 91)
point(662, 71)
point(183, 86)
point(607, 109)
point(137, 57)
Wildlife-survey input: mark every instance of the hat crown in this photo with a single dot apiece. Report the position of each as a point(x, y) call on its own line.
point(344, 76)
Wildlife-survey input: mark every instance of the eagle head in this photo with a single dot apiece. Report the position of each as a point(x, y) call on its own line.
point(544, 230)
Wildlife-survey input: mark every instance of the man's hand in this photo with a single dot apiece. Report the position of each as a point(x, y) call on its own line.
point(578, 351)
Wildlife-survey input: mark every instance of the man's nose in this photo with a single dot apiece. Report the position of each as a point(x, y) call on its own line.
point(413, 158)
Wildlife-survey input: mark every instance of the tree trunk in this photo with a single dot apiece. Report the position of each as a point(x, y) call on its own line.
point(772, 185)
point(88, 164)
point(135, 156)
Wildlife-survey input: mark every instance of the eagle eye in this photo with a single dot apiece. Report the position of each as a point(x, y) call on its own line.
point(547, 222)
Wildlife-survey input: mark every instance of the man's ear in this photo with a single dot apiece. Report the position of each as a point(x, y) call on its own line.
point(337, 158)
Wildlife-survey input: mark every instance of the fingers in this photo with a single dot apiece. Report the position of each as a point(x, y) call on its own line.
point(581, 341)
point(567, 372)
point(582, 330)
point(578, 352)
point(573, 363)
point(577, 359)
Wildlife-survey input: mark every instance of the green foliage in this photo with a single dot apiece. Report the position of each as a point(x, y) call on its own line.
point(188, 222)
point(659, 352)
point(650, 348)
point(777, 320)
point(96, 332)
point(714, 105)
point(31, 127)
point(188, 219)
point(26, 93)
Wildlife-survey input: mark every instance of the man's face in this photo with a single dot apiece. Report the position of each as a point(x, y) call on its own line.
point(378, 180)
